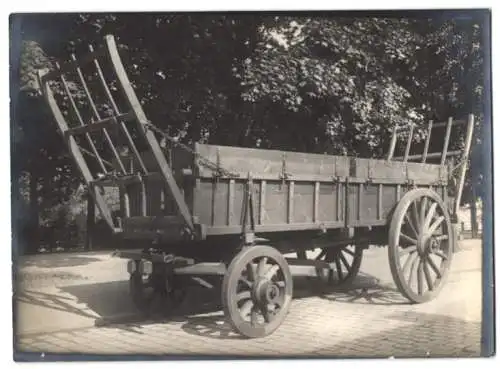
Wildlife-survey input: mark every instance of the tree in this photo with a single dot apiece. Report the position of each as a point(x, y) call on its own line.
point(316, 84)
point(331, 77)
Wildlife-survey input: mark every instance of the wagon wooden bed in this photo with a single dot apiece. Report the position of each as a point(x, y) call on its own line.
point(204, 211)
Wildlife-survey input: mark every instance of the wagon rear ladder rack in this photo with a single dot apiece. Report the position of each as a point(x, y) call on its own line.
point(444, 154)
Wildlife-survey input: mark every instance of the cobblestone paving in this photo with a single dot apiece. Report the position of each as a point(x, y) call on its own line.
point(371, 319)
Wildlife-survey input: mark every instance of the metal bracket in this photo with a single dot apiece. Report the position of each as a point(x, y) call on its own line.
point(370, 172)
point(248, 234)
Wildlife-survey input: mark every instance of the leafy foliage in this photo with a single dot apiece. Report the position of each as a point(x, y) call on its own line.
point(315, 84)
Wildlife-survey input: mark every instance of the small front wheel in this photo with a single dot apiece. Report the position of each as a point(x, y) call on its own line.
point(156, 294)
point(257, 291)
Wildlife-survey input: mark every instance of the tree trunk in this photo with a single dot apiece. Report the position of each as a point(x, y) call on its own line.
point(90, 223)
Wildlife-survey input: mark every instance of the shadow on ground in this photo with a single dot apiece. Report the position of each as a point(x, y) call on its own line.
point(201, 312)
point(62, 260)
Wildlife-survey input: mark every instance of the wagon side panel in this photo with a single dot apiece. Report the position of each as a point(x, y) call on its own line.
point(290, 191)
point(375, 187)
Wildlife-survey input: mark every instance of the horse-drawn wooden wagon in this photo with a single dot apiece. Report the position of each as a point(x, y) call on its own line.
point(202, 211)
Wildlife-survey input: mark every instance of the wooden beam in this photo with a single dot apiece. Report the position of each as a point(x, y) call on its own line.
point(72, 65)
point(465, 159)
point(392, 146)
point(360, 200)
point(408, 143)
point(455, 123)
point(379, 201)
point(121, 124)
point(446, 140)
point(99, 125)
point(427, 141)
point(230, 203)
point(316, 202)
point(98, 117)
point(262, 212)
point(76, 153)
point(80, 121)
point(291, 187)
point(151, 140)
point(433, 155)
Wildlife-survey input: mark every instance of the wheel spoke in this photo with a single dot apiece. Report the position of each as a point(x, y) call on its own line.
point(435, 225)
point(352, 253)
point(251, 272)
point(261, 266)
point(434, 266)
point(415, 214)
point(412, 226)
point(408, 238)
point(440, 254)
point(280, 301)
point(321, 254)
point(280, 284)
point(423, 207)
point(245, 295)
point(246, 308)
point(420, 279)
point(254, 316)
point(246, 282)
point(442, 237)
point(345, 262)
point(413, 270)
point(265, 312)
point(407, 263)
point(272, 272)
point(428, 218)
point(408, 250)
point(428, 278)
point(339, 268)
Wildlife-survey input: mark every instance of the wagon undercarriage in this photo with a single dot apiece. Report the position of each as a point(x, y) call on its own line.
point(211, 214)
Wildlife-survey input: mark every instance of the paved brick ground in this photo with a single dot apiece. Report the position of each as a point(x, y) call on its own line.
point(370, 320)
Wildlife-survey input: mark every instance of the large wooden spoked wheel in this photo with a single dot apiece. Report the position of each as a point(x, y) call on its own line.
point(345, 261)
point(257, 291)
point(420, 245)
point(155, 294)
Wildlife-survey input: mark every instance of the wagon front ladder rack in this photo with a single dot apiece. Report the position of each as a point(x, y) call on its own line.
point(113, 123)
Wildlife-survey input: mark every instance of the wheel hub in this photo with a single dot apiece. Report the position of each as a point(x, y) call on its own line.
point(266, 292)
point(426, 245)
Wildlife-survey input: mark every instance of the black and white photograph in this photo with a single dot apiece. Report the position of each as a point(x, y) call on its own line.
point(251, 184)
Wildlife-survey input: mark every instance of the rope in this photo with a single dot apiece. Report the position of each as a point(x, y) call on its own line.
point(203, 161)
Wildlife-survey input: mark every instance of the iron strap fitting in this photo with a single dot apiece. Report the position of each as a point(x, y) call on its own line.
point(409, 182)
point(370, 172)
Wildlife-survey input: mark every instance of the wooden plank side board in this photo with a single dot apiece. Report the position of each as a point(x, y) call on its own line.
point(384, 171)
point(299, 200)
point(244, 160)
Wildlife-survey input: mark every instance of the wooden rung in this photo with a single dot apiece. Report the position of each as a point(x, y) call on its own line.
point(73, 65)
point(126, 179)
point(99, 125)
point(431, 156)
point(115, 109)
point(97, 116)
point(444, 124)
point(444, 155)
